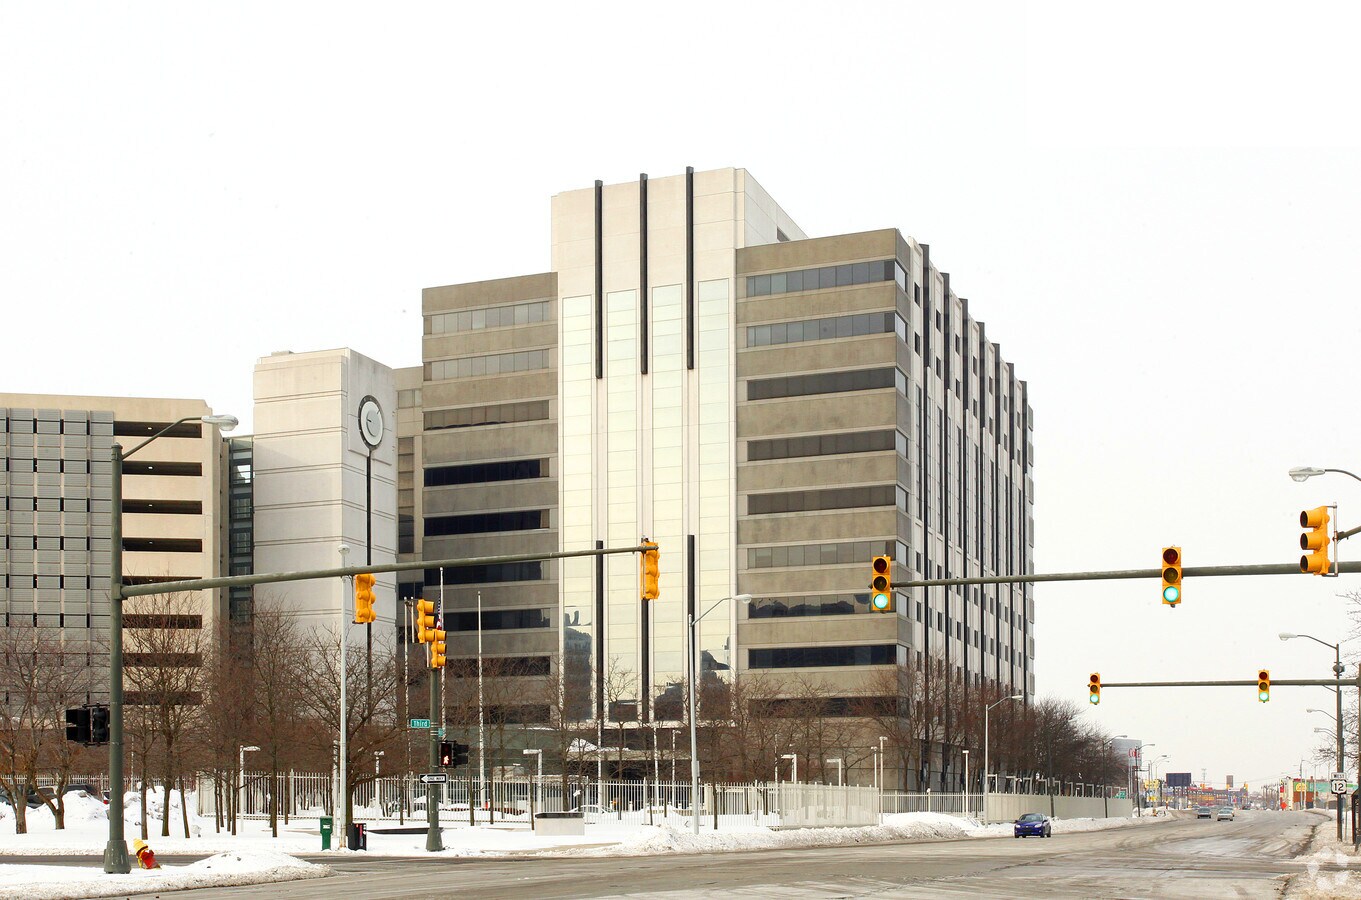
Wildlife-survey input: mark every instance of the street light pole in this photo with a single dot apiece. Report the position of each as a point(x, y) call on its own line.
point(987, 709)
point(1337, 719)
point(116, 851)
point(693, 620)
point(342, 759)
point(966, 782)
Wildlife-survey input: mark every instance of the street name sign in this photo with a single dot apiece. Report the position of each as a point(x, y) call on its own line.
point(435, 778)
point(420, 723)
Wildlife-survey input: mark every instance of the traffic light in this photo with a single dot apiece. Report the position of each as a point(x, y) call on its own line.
point(881, 584)
point(78, 725)
point(1316, 540)
point(425, 620)
point(1094, 688)
point(446, 754)
point(436, 636)
point(363, 598)
point(99, 725)
point(460, 751)
point(651, 572)
point(1263, 685)
point(1171, 575)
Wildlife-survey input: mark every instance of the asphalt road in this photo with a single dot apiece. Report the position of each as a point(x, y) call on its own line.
point(1247, 858)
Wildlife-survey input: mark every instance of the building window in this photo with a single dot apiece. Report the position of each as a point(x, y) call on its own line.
point(500, 666)
point(821, 329)
point(795, 555)
point(494, 364)
point(812, 605)
point(821, 445)
point(162, 545)
point(821, 657)
point(496, 414)
point(134, 467)
point(409, 399)
point(147, 429)
point(480, 473)
point(490, 574)
point(498, 620)
point(491, 317)
point(821, 383)
point(479, 523)
point(165, 507)
point(824, 277)
point(831, 498)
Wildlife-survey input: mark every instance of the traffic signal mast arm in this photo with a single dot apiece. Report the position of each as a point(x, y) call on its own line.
point(1247, 682)
point(1346, 568)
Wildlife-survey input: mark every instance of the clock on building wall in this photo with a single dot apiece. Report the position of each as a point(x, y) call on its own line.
point(370, 421)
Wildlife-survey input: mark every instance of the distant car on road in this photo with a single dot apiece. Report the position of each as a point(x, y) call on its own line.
point(1204, 812)
point(1036, 824)
point(1225, 814)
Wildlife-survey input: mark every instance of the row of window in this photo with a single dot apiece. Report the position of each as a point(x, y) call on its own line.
point(826, 444)
point(826, 277)
point(498, 620)
point(48, 542)
point(55, 504)
point(480, 523)
point(811, 605)
point(493, 317)
point(822, 657)
point(48, 582)
point(825, 329)
point(162, 468)
point(49, 466)
point(47, 426)
point(839, 554)
point(162, 545)
point(494, 414)
point(493, 364)
point(167, 507)
point(829, 498)
point(480, 473)
point(499, 666)
point(489, 574)
point(825, 383)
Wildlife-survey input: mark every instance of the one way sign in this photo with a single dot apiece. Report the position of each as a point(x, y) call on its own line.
point(434, 778)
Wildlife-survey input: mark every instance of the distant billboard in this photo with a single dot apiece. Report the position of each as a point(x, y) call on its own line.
point(1179, 779)
point(1228, 781)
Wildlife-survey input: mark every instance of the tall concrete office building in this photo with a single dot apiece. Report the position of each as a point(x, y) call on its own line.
point(772, 409)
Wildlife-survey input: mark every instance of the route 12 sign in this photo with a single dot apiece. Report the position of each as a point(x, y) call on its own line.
point(1339, 786)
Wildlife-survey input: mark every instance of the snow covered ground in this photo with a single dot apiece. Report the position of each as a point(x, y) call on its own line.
point(254, 856)
point(1332, 870)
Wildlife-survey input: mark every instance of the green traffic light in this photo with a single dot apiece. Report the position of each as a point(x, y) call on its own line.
point(1171, 594)
point(1264, 696)
point(879, 601)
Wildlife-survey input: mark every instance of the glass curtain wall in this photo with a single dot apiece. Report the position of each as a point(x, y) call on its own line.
point(576, 503)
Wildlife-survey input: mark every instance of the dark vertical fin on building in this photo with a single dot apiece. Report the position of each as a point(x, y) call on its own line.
point(599, 279)
point(689, 267)
point(691, 575)
point(644, 302)
point(1025, 540)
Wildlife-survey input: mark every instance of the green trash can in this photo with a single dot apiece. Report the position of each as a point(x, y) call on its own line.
point(327, 826)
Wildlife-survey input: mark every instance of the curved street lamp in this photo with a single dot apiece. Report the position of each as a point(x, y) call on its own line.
point(987, 709)
point(693, 620)
point(116, 851)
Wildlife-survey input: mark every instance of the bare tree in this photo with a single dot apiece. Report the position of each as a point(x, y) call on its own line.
point(275, 696)
point(164, 668)
point(40, 676)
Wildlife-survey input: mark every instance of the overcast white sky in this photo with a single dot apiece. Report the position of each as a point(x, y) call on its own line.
point(1153, 208)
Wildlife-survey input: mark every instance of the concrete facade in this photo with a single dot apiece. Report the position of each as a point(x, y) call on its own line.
point(315, 479)
point(772, 409)
point(58, 515)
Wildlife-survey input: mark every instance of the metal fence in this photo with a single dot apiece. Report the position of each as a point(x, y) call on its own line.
point(625, 803)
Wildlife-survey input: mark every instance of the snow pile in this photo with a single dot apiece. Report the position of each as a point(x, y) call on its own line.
point(225, 869)
point(155, 812)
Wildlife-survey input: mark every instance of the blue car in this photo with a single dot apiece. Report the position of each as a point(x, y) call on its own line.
point(1036, 824)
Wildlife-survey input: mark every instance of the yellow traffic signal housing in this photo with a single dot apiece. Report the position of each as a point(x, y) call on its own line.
point(1094, 688)
point(436, 648)
point(1316, 540)
point(363, 598)
point(425, 620)
point(1171, 576)
point(881, 584)
point(652, 572)
point(1264, 685)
